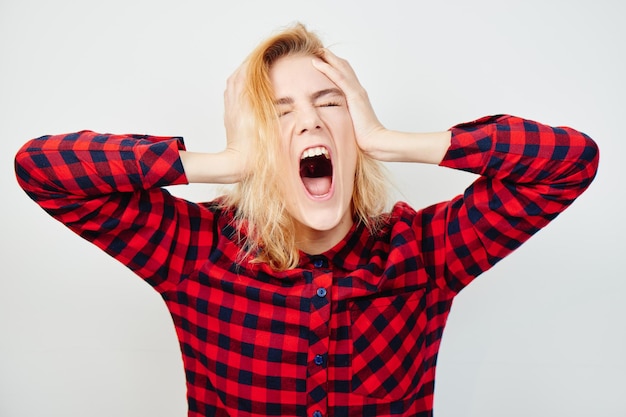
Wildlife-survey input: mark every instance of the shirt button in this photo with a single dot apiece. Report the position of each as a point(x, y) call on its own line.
point(317, 413)
point(321, 292)
point(319, 359)
point(318, 262)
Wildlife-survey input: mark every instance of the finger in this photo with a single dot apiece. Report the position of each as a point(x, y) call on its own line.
point(331, 58)
point(324, 67)
point(237, 78)
point(340, 64)
point(344, 79)
point(334, 74)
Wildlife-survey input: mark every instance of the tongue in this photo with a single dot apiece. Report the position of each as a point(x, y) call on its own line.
point(317, 186)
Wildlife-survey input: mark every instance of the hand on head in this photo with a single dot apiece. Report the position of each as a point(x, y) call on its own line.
point(368, 130)
point(237, 117)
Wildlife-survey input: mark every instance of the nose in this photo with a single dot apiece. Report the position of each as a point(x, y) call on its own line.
point(308, 120)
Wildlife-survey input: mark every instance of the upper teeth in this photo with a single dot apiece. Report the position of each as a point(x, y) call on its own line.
point(317, 151)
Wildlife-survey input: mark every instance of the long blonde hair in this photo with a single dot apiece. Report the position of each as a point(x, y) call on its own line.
point(265, 227)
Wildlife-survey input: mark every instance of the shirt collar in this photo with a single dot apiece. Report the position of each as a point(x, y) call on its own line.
point(352, 252)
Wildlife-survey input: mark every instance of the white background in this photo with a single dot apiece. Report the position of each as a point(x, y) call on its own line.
point(541, 334)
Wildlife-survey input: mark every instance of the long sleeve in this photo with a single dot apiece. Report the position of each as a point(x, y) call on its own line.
point(107, 189)
point(529, 173)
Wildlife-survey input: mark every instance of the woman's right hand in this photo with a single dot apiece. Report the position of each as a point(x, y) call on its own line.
point(232, 164)
point(237, 118)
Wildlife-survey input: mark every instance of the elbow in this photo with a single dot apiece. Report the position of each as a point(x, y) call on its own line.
point(589, 159)
point(576, 167)
point(22, 164)
point(28, 161)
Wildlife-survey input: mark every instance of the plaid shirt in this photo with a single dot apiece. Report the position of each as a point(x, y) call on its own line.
point(351, 332)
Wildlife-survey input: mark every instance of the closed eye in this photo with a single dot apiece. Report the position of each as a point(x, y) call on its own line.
point(284, 111)
point(330, 104)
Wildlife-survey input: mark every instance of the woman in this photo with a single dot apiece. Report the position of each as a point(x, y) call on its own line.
point(296, 293)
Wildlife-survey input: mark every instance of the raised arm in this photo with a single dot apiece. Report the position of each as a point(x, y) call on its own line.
point(372, 137)
point(529, 173)
point(107, 189)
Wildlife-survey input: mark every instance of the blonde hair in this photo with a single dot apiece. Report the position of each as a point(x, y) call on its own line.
point(266, 229)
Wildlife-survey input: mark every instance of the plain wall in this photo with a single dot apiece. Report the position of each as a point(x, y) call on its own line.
point(542, 334)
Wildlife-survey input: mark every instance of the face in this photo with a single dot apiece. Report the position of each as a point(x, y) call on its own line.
point(318, 148)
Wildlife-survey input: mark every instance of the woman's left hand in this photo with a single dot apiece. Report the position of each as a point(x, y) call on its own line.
point(368, 130)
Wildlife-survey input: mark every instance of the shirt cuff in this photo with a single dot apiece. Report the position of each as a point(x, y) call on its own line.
point(159, 161)
point(471, 144)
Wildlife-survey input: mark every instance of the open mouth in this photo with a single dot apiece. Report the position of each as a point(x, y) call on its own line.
point(316, 171)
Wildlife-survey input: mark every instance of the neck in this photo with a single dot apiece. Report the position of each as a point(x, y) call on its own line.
point(314, 242)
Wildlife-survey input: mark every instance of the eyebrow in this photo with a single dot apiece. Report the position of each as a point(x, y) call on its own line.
point(315, 96)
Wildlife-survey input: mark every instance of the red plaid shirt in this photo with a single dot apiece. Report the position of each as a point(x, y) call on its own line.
point(351, 332)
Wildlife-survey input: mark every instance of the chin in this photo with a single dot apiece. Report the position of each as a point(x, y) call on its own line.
point(322, 222)
point(323, 215)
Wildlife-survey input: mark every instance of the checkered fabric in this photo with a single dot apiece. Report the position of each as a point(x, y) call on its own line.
point(351, 332)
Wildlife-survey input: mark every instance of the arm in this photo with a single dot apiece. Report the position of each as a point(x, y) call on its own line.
point(529, 174)
point(106, 188)
point(212, 168)
point(373, 139)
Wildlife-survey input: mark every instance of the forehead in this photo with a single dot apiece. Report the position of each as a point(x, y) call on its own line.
point(292, 76)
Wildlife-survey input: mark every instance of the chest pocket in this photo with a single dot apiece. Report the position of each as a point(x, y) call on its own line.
point(388, 345)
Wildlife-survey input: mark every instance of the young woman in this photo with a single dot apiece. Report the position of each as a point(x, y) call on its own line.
point(296, 294)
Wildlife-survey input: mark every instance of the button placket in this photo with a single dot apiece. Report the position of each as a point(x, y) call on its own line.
point(317, 374)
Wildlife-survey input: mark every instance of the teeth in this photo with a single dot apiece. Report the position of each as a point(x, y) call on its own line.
point(317, 151)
